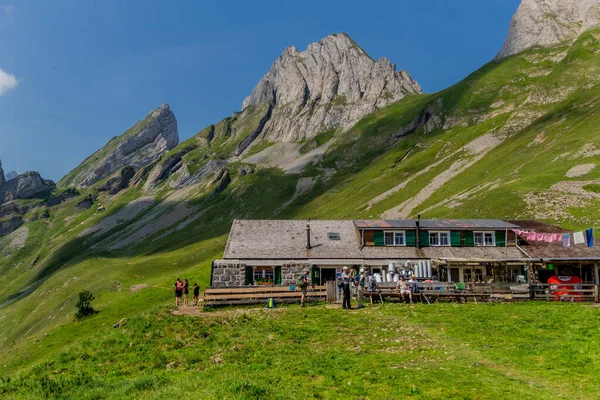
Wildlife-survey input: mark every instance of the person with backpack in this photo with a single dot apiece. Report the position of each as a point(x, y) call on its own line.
point(360, 280)
point(303, 285)
point(196, 293)
point(186, 292)
point(178, 288)
point(346, 278)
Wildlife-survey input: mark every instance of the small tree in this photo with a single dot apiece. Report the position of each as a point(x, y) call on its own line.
point(84, 304)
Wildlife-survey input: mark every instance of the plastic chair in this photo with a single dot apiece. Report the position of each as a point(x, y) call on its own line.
point(461, 286)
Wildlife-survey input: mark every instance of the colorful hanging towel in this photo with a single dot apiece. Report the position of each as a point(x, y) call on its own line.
point(566, 240)
point(548, 237)
point(540, 237)
point(578, 238)
point(557, 237)
point(532, 236)
point(589, 236)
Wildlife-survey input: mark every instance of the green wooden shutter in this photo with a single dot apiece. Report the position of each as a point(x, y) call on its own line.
point(314, 275)
point(379, 240)
point(455, 239)
point(469, 239)
point(424, 238)
point(500, 239)
point(278, 275)
point(249, 275)
point(411, 238)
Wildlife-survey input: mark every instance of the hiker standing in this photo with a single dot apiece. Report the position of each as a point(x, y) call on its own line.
point(360, 287)
point(196, 293)
point(346, 278)
point(186, 292)
point(303, 283)
point(178, 288)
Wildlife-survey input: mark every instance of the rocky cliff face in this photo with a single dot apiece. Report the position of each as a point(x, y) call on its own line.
point(23, 186)
point(26, 185)
point(141, 145)
point(549, 22)
point(332, 84)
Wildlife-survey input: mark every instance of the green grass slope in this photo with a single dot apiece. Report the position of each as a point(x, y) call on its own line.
point(394, 351)
point(516, 139)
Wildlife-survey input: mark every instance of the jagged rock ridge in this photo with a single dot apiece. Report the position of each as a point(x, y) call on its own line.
point(548, 22)
point(23, 186)
point(141, 145)
point(333, 84)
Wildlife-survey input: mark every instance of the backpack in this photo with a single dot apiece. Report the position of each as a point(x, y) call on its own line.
point(356, 280)
point(302, 283)
point(340, 282)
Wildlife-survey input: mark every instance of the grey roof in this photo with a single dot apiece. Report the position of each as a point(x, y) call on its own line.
point(476, 253)
point(286, 239)
point(385, 224)
point(466, 224)
point(456, 224)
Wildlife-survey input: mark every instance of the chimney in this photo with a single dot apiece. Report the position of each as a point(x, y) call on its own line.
point(308, 245)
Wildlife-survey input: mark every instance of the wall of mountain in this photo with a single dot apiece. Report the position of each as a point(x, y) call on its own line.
point(141, 145)
point(548, 22)
point(332, 84)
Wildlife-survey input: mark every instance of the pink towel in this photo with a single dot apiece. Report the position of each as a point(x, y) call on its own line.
point(557, 237)
point(540, 237)
point(548, 237)
point(531, 236)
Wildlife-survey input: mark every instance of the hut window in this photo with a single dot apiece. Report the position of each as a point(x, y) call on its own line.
point(439, 238)
point(395, 238)
point(264, 274)
point(484, 238)
point(333, 236)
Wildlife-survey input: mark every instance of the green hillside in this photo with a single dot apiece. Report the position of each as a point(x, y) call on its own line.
point(517, 139)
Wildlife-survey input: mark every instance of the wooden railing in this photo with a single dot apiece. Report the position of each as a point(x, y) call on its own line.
point(432, 291)
point(259, 294)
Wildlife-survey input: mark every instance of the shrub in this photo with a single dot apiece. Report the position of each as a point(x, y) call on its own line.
point(84, 304)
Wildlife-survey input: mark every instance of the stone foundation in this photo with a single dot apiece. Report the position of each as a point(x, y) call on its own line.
point(234, 274)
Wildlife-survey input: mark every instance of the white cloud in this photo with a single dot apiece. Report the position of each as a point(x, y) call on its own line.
point(7, 82)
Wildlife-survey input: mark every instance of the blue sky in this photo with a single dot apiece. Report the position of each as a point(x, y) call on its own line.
point(73, 74)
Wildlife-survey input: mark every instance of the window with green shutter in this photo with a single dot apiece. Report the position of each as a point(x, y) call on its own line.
point(411, 238)
point(469, 240)
point(424, 238)
point(379, 240)
point(455, 239)
point(278, 275)
point(500, 239)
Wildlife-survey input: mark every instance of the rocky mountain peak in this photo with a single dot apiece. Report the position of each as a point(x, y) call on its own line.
point(2, 178)
point(549, 22)
point(333, 83)
point(141, 145)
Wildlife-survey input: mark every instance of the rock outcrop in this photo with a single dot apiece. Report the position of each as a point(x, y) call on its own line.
point(23, 186)
point(141, 145)
point(333, 84)
point(11, 175)
point(549, 22)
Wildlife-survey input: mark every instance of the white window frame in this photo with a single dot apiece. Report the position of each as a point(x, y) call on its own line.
point(438, 236)
point(394, 235)
point(483, 234)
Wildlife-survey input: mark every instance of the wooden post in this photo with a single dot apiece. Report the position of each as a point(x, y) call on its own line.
point(597, 282)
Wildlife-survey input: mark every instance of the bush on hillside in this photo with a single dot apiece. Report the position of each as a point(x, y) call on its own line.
point(84, 304)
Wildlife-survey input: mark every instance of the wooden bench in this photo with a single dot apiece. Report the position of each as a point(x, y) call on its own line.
point(259, 294)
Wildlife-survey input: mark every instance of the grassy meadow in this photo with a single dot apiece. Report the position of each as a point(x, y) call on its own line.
point(441, 351)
